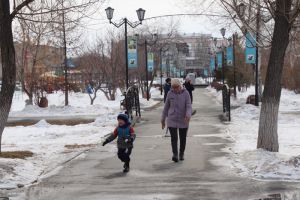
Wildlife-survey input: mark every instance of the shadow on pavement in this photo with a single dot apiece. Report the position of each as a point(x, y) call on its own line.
point(166, 166)
point(115, 175)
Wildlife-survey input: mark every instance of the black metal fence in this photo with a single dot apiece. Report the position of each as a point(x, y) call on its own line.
point(131, 102)
point(226, 101)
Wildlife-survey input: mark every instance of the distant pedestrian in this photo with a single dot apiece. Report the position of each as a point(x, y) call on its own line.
point(126, 136)
point(89, 89)
point(167, 88)
point(189, 87)
point(177, 111)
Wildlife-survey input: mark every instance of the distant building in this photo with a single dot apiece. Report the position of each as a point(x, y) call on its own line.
point(188, 53)
point(198, 57)
point(37, 59)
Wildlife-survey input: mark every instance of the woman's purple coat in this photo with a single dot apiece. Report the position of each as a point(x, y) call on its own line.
point(177, 107)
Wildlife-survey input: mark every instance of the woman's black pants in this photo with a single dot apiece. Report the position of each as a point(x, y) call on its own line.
point(174, 140)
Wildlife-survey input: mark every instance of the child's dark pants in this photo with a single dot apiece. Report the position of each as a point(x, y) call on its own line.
point(124, 154)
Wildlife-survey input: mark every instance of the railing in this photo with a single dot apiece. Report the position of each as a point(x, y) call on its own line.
point(226, 101)
point(131, 102)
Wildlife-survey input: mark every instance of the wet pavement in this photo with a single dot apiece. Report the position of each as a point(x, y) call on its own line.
point(154, 176)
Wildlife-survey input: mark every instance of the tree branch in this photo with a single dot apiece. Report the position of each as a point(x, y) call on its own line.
point(19, 7)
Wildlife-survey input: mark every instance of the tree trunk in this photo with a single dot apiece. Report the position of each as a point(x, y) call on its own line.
point(112, 94)
point(8, 64)
point(95, 96)
point(92, 98)
point(106, 93)
point(30, 100)
point(268, 122)
point(30, 97)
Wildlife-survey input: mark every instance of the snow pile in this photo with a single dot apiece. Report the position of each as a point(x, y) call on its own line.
point(290, 101)
point(154, 100)
point(267, 165)
point(42, 124)
point(47, 142)
point(243, 130)
point(53, 110)
point(241, 96)
point(200, 81)
point(155, 93)
point(79, 105)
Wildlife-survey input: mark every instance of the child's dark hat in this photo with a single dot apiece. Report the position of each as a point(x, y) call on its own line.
point(123, 117)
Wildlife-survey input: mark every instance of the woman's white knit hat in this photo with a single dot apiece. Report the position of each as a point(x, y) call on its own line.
point(175, 82)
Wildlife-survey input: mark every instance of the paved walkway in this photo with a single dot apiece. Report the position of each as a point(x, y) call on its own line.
point(153, 175)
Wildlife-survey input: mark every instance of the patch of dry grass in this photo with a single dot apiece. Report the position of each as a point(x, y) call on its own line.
point(78, 146)
point(16, 154)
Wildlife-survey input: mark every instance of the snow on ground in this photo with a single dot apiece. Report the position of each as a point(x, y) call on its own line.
point(200, 81)
point(79, 105)
point(155, 96)
point(243, 130)
point(241, 96)
point(47, 141)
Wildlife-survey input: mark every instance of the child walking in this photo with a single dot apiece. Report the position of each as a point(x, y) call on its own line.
point(126, 136)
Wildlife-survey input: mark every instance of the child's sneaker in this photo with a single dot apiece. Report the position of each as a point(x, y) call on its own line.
point(126, 168)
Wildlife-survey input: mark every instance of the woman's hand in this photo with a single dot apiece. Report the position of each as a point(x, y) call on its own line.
point(163, 124)
point(187, 119)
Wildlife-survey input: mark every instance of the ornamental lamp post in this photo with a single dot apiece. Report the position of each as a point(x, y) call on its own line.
point(141, 15)
point(161, 52)
point(109, 13)
point(146, 43)
point(215, 51)
point(232, 41)
point(215, 41)
point(223, 32)
point(241, 9)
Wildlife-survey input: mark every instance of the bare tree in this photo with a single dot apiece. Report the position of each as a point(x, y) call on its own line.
point(31, 52)
point(166, 36)
point(284, 14)
point(93, 64)
point(103, 65)
point(115, 69)
point(8, 59)
point(279, 23)
point(8, 13)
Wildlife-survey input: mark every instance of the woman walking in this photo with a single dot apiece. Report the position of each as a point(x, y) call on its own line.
point(167, 88)
point(177, 111)
point(189, 87)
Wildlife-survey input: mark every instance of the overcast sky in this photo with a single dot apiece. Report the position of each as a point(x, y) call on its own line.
point(200, 24)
